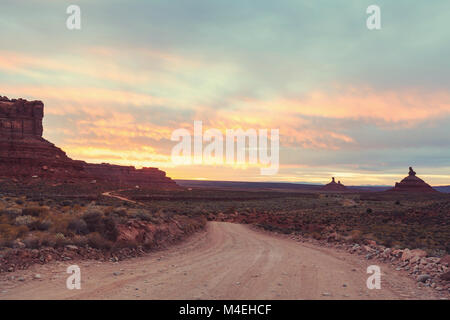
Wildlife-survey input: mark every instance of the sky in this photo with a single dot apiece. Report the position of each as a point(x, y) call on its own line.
point(361, 105)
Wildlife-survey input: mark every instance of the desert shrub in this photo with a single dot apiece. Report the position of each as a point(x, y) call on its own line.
point(12, 212)
point(121, 212)
point(356, 235)
point(32, 242)
point(19, 201)
point(60, 223)
point(148, 244)
point(43, 225)
point(79, 226)
point(93, 219)
point(144, 215)
point(60, 240)
point(35, 211)
point(76, 208)
point(388, 242)
point(6, 243)
point(65, 203)
point(4, 228)
point(95, 240)
point(4, 219)
point(316, 235)
point(110, 231)
point(369, 210)
point(108, 210)
point(48, 240)
point(25, 220)
point(80, 241)
point(10, 232)
point(131, 244)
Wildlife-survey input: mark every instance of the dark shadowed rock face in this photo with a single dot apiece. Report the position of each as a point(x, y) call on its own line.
point(333, 186)
point(24, 153)
point(413, 184)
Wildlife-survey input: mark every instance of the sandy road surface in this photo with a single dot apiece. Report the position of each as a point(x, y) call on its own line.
point(227, 261)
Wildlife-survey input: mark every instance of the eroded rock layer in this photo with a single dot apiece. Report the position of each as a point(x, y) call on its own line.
point(24, 153)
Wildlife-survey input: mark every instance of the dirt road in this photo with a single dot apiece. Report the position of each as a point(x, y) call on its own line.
point(227, 261)
point(112, 194)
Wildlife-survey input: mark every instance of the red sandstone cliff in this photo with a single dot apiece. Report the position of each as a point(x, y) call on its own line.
point(24, 153)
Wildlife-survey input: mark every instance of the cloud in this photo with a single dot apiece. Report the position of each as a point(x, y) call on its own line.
point(344, 99)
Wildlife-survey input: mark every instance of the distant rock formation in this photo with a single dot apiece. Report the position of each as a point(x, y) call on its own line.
point(412, 184)
point(25, 154)
point(333, 186)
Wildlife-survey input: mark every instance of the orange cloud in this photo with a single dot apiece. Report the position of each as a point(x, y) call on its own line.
point(95, 100)
point(409, 105)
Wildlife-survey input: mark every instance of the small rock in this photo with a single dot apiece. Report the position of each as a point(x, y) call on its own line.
point(326, 294)
point(37, 276)
point(21, 279)
point(423, 277)
point(409, 254)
